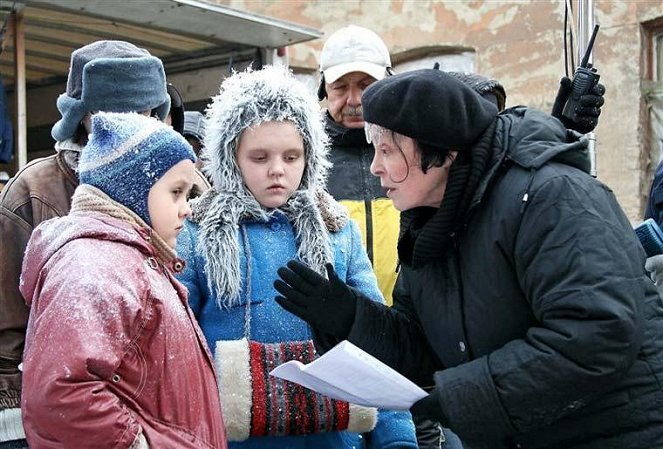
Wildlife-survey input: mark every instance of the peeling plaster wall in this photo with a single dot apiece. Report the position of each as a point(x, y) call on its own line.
point(517, 42)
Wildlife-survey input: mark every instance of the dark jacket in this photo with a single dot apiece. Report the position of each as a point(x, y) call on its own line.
point(351, 183)
point(40, 191)
point(539, 328)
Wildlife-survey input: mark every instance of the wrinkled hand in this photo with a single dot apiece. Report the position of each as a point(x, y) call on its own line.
point(327, 305)
point(586, 115)
point(429, 407)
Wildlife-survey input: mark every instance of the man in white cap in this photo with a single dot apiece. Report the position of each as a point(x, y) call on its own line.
point(352, 58)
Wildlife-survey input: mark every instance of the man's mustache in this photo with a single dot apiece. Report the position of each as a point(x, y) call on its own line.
point(352, 111)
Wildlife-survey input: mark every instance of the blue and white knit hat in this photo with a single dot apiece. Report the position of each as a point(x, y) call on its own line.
point(127, 154)
point(113, 76)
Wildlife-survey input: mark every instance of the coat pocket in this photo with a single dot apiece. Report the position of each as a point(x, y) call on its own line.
point(131, 375)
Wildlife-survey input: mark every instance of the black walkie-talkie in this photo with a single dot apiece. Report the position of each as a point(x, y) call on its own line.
point(584, 80)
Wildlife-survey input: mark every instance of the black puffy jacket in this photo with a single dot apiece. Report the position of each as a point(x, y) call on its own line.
point(539, 328)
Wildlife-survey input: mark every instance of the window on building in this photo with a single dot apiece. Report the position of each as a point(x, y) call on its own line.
point(652, 94)
point(657, 43)
point(449, 60)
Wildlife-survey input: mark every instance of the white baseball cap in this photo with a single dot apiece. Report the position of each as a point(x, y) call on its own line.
point(354, 49)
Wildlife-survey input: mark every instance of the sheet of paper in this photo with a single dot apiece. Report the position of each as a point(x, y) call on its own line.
point(350, 374)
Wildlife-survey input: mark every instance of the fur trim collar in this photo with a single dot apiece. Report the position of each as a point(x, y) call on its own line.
point(220, 215)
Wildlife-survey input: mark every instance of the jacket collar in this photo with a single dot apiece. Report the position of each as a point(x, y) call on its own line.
point(221, 214)
point(68, 145)
point(90, 199)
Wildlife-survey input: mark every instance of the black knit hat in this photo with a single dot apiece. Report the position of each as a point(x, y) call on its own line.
point(176, 108)
point(488, 88)
point(429, 106)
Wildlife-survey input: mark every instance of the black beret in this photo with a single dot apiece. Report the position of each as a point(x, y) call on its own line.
point(429, 106)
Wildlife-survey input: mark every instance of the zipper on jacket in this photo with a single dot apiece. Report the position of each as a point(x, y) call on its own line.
point(369, 229)
point(368, 205)
point(532, 171)
point(461, 293)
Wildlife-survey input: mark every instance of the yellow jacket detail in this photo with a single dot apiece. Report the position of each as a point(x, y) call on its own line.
point(352, 184)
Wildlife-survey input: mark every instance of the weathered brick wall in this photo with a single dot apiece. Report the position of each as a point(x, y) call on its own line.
point(519, 43)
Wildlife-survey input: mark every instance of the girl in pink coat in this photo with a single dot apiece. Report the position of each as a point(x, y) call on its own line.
point(113, 356)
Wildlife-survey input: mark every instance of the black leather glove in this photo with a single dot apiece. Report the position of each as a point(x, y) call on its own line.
point(586, 115)
point(327, 305)
point(429, 433)
point(429, 407)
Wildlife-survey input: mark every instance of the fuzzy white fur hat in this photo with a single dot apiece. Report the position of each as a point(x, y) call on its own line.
point(248, 99)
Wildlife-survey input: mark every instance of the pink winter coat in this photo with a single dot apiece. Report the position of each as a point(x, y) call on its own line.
point(112, 348)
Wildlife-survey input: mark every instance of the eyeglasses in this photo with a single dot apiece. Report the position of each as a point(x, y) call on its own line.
point(373, 132)
point(367, 131)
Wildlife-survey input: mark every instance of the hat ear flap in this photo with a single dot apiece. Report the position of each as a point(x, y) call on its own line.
point(73, 111)
point(322, 92)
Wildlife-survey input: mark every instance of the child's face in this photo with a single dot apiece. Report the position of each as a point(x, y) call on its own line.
point(167, 201)
point(271, 159)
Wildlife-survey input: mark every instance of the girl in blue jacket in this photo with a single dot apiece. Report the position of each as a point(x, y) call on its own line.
point(266, 153)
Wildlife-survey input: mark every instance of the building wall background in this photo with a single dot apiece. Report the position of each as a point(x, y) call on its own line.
point(519, 43)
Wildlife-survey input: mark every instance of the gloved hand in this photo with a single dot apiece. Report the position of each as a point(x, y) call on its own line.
point(654, 266)
point(586, 115)
point(429, 432)
point(327, 305)
point(429, 407)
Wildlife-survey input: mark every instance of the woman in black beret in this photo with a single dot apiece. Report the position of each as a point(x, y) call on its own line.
point(522, 300)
